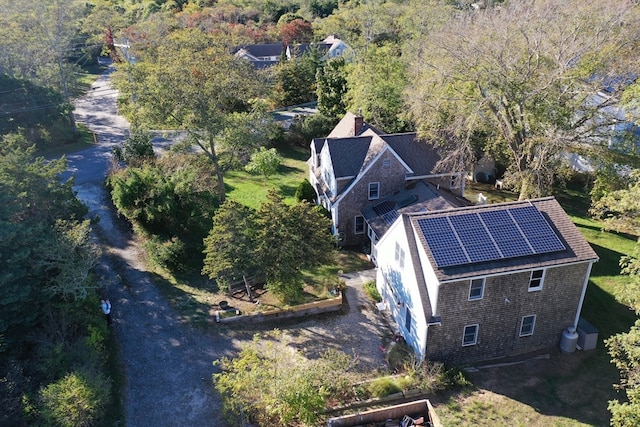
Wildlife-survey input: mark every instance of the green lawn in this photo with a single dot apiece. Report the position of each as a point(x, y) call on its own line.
point(250, 190)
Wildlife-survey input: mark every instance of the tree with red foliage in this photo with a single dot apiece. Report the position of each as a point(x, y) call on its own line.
point(298, 30)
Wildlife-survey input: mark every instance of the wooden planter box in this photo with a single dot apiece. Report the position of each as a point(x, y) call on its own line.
point(316, 307)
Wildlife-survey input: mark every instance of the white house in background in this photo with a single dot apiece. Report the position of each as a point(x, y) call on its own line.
point(483, 282)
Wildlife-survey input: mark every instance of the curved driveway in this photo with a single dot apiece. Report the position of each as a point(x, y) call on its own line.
point(168, 364)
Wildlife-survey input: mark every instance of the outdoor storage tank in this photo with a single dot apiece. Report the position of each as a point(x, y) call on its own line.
point(569, 340)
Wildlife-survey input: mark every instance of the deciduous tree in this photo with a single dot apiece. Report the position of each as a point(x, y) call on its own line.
point(191, 82)
point(265, 162)
point(530, 77)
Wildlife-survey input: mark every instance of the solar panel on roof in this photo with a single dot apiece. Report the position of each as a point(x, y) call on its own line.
point(384, 207)
point(488, 235)
point(390, 217)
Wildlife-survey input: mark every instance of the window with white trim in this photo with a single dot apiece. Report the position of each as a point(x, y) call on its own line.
point(358, 224)
point(374, 190)
point(470, 335)
point(399, 255)
point(527, 325)
point(386, 163)
point(476, 289)
point(535, 280)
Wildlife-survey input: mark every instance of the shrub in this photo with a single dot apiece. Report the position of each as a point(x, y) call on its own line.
point(167, 254)
point(372, 291)
point(76, 400)
point(306, 192)
point(400, 355)
point(383, 387)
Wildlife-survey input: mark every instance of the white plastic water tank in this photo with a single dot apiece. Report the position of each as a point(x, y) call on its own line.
point(569, 340)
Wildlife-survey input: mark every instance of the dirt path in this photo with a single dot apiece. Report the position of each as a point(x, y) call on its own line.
point(168, 365)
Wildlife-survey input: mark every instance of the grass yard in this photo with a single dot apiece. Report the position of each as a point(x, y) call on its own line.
point(566, 389)
point(250, 190)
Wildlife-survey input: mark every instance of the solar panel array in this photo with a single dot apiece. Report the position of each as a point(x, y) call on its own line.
point(488, 236)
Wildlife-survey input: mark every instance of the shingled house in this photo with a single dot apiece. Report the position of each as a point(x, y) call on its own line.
point(357, 165)
point(481, 282)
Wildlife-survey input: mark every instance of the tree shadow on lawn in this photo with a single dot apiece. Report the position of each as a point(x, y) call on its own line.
point(574, 386)
point(186, 306)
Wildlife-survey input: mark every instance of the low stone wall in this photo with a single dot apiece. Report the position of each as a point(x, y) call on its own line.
point(316, 307)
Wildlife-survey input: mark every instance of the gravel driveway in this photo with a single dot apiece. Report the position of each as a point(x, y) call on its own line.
point(168, 364)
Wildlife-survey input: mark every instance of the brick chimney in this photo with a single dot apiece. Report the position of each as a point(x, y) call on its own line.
point(358, 122)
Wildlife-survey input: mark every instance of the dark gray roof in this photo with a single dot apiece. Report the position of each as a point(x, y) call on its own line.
point(577, 249)
point(420, 155)
point(262, 50)
point(416, 196)
point(348, 154)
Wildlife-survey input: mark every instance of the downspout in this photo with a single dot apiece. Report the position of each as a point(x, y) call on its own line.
point(584, 291)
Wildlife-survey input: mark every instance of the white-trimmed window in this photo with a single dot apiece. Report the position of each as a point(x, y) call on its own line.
point(470, 335)
point(386, 163)
point(535, 280)
point(476, 289)
point(374, 190)
point(358, 224)
point(399, 255)
point(527, 326)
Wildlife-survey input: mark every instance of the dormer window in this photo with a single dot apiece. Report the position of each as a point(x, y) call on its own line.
point(374, 190)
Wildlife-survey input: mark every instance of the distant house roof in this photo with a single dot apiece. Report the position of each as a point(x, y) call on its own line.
point(572, 248)
point(266, 55)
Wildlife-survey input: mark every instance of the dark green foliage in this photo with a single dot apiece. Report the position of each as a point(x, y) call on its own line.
point(170, 196)
point(136, 150)
point(230, 245)
point(305, 128)
point(278, 241)
point(41, 114)
point(289, 240)
point(167, 253)
point(331, 89)
point(305, 192)
point(32, 202)
point(295, 79)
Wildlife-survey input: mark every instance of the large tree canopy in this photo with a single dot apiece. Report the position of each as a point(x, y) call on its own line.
point(45, 251)
point(529, 77)
point(191, 82)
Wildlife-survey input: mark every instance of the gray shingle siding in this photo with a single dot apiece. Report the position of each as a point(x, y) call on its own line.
point(499, 314)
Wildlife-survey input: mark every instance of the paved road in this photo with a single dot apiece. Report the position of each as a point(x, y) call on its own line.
point(168, 365)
